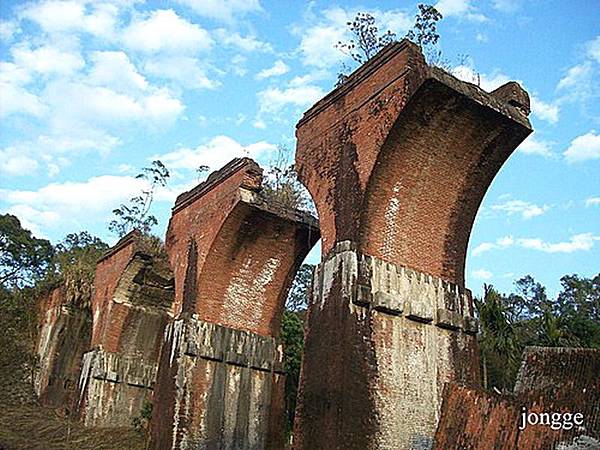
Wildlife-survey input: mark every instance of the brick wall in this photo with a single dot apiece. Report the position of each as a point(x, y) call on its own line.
point(64, 334)
point(551, 380)
point(397, 160)
point(399, 157)
point(132, 304)
point(234, 253)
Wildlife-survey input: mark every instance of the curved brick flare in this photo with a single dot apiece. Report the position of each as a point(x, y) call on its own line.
point(234, 253)
point(399, 157)
point(397, 160)
point(131, 306)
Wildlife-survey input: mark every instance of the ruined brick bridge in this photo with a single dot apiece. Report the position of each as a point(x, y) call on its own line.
point(397, 160)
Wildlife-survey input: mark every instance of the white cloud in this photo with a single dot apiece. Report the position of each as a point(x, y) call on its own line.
point(222, 9)
point(578, 242)
point(214, 154)
point(584, 241)
point(8, 29)
point(245, 43)
point(463, 9)
point(61, 203)
point(18, 100)
point(545, 111)
point(13, 162)
point(47, 60)
point(319, 39)
point(279, 68)
point(187, 72)
point(33, 220)
point(592, 201)
point(533, 146)
point(525, 209)
point(274, 99)
point(576, 76)
point(58, 16)
point(507, 6)
point(502, 242)
point(165, 31)
point(583, 148)
point(114, 69)
point(482, 274)
point(593, 49)
point(238, 65)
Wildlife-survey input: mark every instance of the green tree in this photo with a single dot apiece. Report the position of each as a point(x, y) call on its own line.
point(23, 257)
point(297, 299)
point(136, 215)
point(578, 306)
point(499, 345)
point(292, 336)
point(73, 266)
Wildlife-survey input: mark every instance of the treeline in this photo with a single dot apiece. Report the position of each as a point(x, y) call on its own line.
point(510, 322)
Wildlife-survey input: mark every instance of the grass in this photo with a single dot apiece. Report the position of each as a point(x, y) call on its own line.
point(34, 427)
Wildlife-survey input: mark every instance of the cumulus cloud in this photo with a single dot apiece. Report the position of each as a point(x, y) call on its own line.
point(60, 203)
point(525, 209)
point(544, 111)
point(576, 75)
point(247, 43)
point(15, 163)
point(593, 49)
point(64, 16)
point(8, 29)
point(482, 274)
point(502, 242)
point(577, 242)
point(592, 201)
point(534, 146)
point(461, 9)
point(186, 71)
point(47, 60)
point(583, 148)
point(279, 68)
point(318, 40)
point(274, 99)
point(584, 241)
point(222, 9)
point(114, 69)
point(165, 31)
point(214, 154)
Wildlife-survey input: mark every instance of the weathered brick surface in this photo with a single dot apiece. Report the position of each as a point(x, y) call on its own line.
point(131, 307)
point(228, 390)
point(132, 300)
point(64, 334)
point(551, 380)
point(389, 345)
point(399, 157)
point(234, 253)
point(397, 160)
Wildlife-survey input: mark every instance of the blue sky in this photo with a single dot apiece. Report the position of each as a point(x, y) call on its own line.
point(91, 91)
